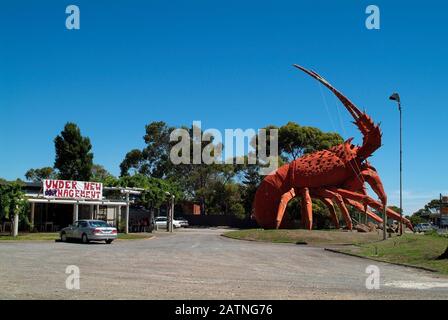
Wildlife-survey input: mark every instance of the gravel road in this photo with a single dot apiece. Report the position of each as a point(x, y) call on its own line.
point(201, 264)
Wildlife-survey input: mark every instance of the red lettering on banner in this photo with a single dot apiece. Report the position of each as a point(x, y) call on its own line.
point(72, 189)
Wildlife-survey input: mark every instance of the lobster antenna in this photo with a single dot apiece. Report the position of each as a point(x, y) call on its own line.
point(354, 111)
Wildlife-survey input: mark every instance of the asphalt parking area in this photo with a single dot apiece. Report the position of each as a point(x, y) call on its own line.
point(200, 264)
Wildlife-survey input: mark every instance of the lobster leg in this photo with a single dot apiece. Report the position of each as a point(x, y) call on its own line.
point(307, 209)
point(326, 193)
point(372, 203)
point(360, 207)
point(373, 179)
point(286, 197)
point(334, 216)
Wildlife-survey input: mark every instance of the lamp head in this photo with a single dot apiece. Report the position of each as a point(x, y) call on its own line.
point(395, 96)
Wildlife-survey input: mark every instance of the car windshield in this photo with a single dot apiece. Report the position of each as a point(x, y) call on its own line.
point(98, 224)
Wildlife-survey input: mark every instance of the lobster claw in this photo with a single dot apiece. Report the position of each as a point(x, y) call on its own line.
point(370, 131)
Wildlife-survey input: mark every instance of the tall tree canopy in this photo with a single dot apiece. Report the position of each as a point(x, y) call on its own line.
point(36, 175)
point(100, 174)
point(74, 158)
point(294, 140)
point(153, 160)
point(155, 189)
point(218, 187)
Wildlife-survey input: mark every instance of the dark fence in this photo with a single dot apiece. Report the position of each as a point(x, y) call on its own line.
point(220, 221)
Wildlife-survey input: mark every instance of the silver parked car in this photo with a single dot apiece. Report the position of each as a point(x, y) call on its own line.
point(89, 230)
point(183, 222)
point(161, 222)
point(424, 227)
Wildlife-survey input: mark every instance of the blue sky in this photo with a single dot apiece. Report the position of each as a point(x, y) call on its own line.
point(228, 64)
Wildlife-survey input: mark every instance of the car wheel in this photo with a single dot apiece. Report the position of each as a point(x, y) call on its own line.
point(85, 239)
point(63, 237)
point(109, 241)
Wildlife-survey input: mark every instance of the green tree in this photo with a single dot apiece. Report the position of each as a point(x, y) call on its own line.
point(74, 158)
point(12, 201)
point(250, 181)
point(155, 189)
point(132, 161)
point(395, 208)
point(433, 205)
point(37, 175)
point(100, 174)
point(416, 219)
point(422, 215)
point(294, 140)
point(153, 160)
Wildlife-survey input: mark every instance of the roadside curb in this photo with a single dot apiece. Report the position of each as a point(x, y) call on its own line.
point(378, 260)
point(142, 238)
point(27, 241)
point(261, 241)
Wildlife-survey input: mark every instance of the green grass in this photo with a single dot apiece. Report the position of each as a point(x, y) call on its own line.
point(298, 236)
point(38, 236)
point(134, 236)
point(410, 249)
point(44, 236)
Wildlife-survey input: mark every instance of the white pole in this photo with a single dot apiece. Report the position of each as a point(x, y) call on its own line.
point(119, 216)
point(401, 173)
point(172, 213)
point(385, 222)
point(168, 215)
point(75, 212)
point(126, 230)
point(33, 205)
point(16, 225)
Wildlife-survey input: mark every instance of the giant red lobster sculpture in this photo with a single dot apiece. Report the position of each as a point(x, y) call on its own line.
point(337, 174)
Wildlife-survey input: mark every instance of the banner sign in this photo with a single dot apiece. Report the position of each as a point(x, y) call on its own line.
point(73, 189)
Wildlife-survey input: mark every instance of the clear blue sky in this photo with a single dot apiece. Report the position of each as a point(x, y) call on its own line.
point(228, 64)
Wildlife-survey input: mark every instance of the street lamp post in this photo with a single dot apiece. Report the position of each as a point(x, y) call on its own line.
point(396, 97)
